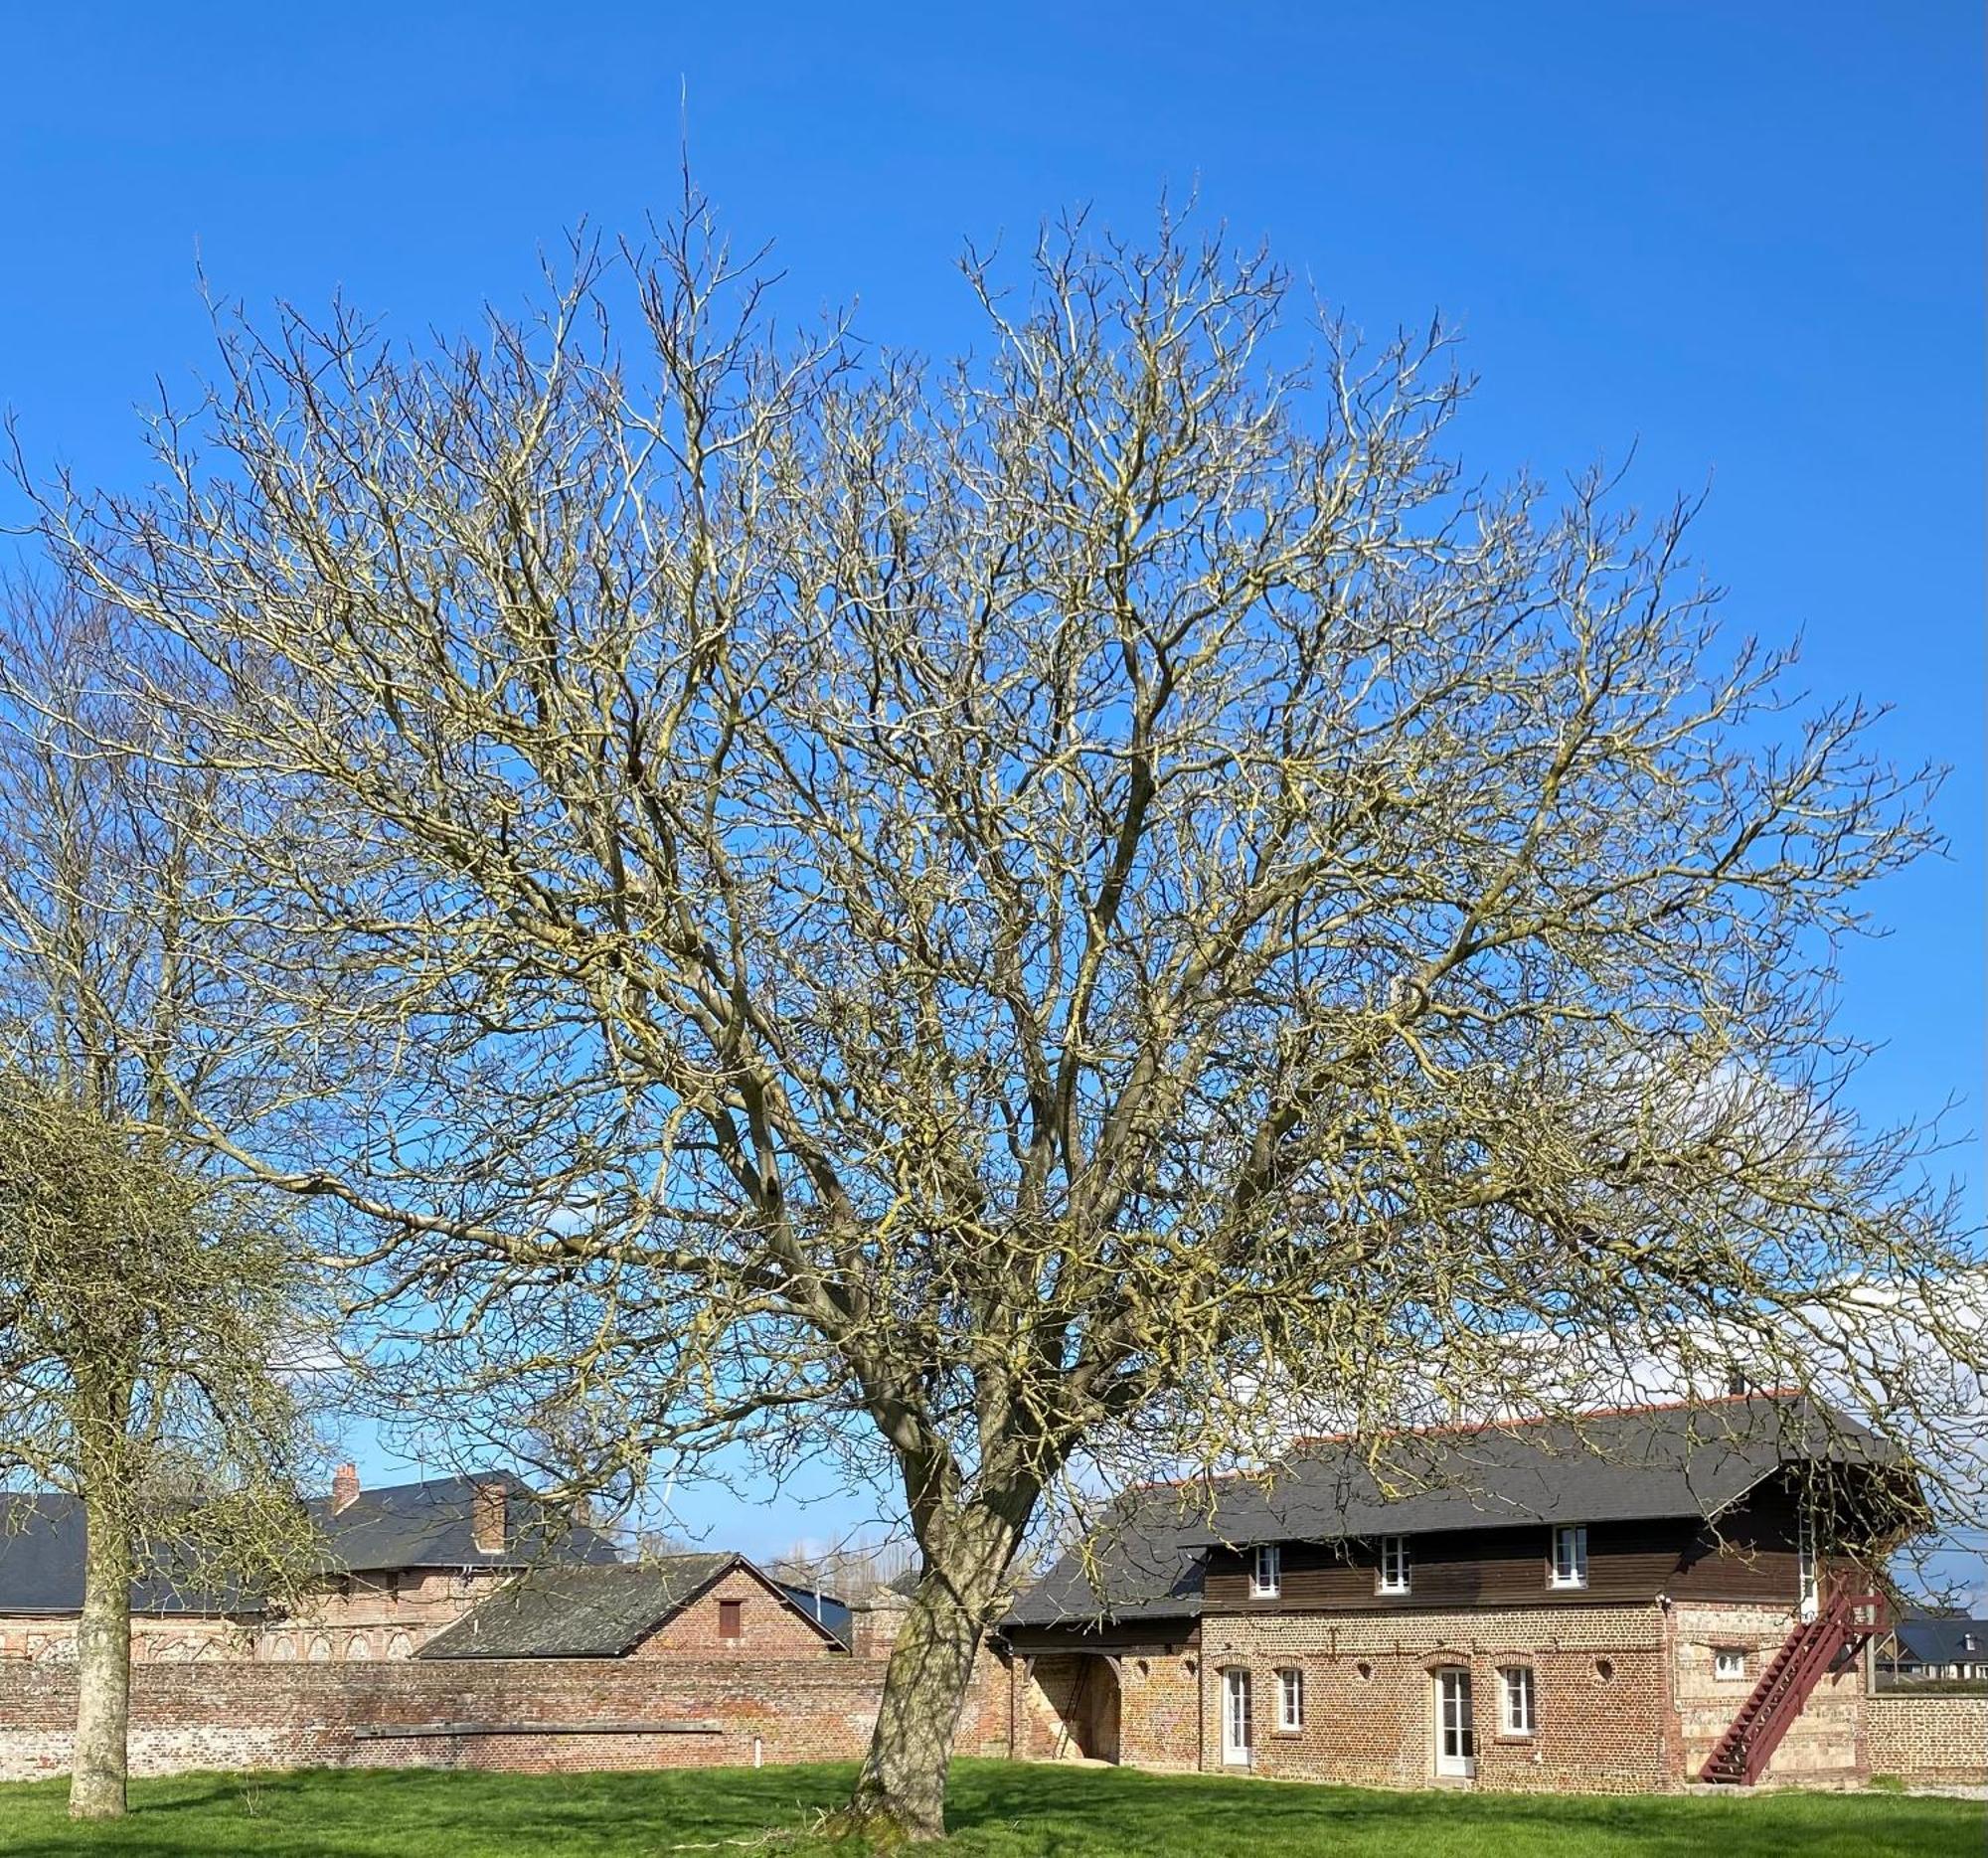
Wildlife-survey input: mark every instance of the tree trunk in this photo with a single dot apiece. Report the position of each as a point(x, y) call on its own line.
point(103, 1666)
point(900, 1793)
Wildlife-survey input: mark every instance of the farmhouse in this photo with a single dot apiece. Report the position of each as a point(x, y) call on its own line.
point(400, 1564)
point(1654, 1596)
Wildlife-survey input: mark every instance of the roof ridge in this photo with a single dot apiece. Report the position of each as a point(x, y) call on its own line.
point(1789, 1392)
point(1786, 1391)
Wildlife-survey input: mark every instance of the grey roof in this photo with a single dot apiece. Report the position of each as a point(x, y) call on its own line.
point(40, 1563)
point(417, 1525)
point(825, 1608)
point(589, 1611)
point(1941, 1639)
point(1683, 1460)
point(427, 1525)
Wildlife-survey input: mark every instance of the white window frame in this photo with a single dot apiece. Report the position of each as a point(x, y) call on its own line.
point(1518, 1701)
point(1397, 1571)
point(1290, 1699)
point(1567, 1572)
point(1809, 1586)
point(1728, 1664)
point(1266, 1570)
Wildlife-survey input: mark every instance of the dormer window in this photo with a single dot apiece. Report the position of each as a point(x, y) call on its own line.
point(1570, 1556)
point(1393, 1565)
point(1267, 1572)
point(1967, 1642)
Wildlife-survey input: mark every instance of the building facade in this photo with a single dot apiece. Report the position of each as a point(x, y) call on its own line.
point(1625, 1605)
point(397, 1566)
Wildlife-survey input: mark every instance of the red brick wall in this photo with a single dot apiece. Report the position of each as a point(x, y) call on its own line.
point(308, 1715)
point(1601, 1682)
point(768, 1629)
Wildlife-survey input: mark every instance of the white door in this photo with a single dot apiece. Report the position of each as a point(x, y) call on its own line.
point(1455, 1727)
point(1236, 1719)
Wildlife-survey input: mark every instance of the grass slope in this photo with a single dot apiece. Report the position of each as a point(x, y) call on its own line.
point(1002, 1809)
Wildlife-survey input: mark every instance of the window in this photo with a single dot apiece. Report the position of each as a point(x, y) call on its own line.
point(1569, 1561)
point(1290, 1701)
point(1729, 1663)
point(1394, 1564)
point(1805, 1565)
point(1267, 1572)
point(1516, 1708)
point(1968, 1642)
point(731, 1618)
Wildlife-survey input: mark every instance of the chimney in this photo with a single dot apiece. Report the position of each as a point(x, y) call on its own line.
point(874, 1622)
point(344, 1488)
point(486, 1519)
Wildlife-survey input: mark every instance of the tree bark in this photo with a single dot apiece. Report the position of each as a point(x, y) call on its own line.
point(901, 1794)
point(99, 1767)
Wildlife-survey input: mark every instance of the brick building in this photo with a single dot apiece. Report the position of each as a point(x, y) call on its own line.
point(670, 1607)
point(1649, 1597)
point(398, 1563)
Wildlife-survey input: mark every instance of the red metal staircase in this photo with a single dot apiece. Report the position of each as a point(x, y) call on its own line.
point(1813, 1649)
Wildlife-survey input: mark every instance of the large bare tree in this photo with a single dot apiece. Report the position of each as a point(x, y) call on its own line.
point(1011, 915)
point(152, 1318)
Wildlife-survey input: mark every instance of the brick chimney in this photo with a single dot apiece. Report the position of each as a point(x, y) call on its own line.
point(486, 1519)
point(874, 1622)
point(344, 1488)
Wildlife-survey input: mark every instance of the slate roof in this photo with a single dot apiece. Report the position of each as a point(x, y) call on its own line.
point(1691, 1459)
point(417, 1525)
point(824, 1608)
point(427, 1525)
point(589, 1612)
point(1940, 1640)
point(40, 1563)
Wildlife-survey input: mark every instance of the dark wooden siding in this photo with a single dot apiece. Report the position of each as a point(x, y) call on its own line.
point(1748, 1554)
point(1751, 1557)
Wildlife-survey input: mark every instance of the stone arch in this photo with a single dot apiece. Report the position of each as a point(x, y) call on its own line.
point(358, 1646)
point(399, 1645)
point(320, 1650)
point(284, 1649)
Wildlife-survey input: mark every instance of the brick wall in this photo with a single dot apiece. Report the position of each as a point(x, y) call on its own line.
point(389, 1615)
point(1928, 1740)
point(767, 1628)
point(596, 1714)
point(1145, 1704)
point(1823, 1746)
point(163, 1638)
point(1601, 1683)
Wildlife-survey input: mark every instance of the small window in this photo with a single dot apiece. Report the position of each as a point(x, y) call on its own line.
point(1267, 1572)
point(731, 1618)
point(1394, 1564)
point(1515, 1688)
point(1729, 1663)
point(1290, 1700)
point(1570, 1556)
point(1968, 1642)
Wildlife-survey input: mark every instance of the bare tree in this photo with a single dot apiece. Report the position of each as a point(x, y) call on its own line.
point(152, 1318)
point(989, 919)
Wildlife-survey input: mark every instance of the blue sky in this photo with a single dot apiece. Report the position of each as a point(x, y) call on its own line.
point(1746, 239)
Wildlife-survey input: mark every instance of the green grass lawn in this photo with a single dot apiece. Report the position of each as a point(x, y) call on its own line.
point(997, 1807)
